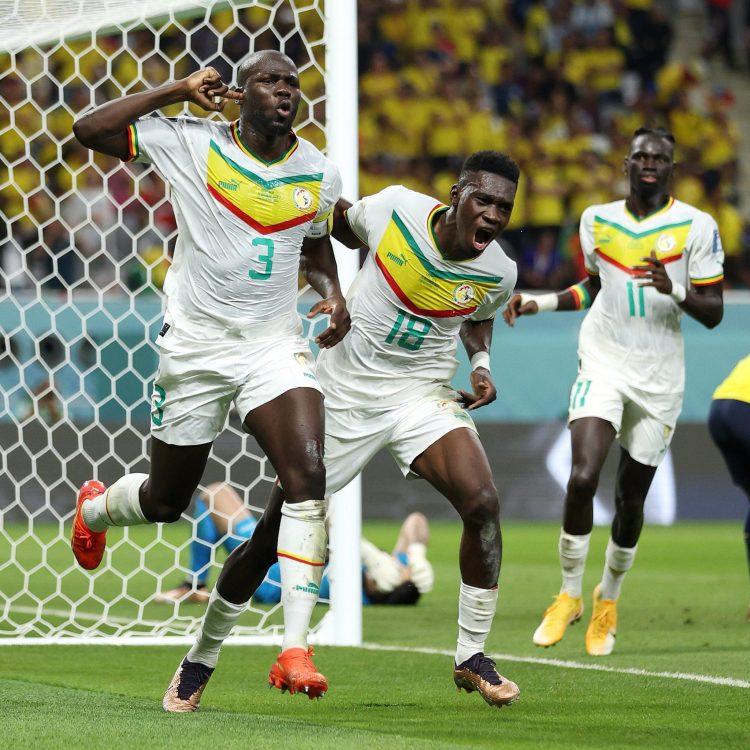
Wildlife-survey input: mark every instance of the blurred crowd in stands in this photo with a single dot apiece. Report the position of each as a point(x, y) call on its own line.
point(559, 84)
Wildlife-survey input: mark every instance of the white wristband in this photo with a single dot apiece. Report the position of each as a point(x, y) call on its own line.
point(678, 292)
point(480, 359)
point(544, 302)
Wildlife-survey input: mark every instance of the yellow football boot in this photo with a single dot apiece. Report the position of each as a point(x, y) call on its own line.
point(600, 636)
point(564, 610)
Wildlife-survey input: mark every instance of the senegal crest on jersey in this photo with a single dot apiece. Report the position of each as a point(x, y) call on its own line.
point(265, 205)
point(463, 294)
point(426, 287)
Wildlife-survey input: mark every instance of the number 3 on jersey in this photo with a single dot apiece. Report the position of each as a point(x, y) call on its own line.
point(413, 336)
point(266, 258)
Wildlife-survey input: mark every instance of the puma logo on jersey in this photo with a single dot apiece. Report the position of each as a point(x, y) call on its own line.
point(229, 185)
point(396, 259)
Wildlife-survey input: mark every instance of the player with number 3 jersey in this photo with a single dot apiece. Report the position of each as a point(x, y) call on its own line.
point(251, 200)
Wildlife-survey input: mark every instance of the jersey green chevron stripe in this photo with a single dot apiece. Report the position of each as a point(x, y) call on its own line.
point(258, 180)
point(436, 272)
point(431, 223)
point(641, 235)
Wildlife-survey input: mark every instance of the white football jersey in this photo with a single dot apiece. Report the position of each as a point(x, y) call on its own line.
point(408, 302)
point(241, 220)
point(632, 331)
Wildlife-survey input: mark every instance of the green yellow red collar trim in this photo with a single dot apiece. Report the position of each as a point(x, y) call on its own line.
point(235, 131)
point(658, 211)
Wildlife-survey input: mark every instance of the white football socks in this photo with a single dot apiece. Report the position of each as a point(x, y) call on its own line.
point(302, 552)
point(118, 506)
point(217, 624)
point(573, 551)
point(476, 610)
point(617, 561)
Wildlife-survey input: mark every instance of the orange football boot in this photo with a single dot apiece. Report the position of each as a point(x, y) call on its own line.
point(295, 672)
point(88, 546)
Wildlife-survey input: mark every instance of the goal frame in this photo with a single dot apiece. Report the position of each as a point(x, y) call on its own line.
point(342, 624)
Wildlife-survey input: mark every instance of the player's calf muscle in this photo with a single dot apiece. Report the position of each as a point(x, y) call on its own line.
point(246, 567)
point(481, 547)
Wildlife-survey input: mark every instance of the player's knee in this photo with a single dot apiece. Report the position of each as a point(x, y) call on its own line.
point(163, 508)
point(305, 481)
point(582, 483)
point(482, 507)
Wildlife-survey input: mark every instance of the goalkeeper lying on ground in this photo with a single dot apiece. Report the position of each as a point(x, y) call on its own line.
point(396, 578)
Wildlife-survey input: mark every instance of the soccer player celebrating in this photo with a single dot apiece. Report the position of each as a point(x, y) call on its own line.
point(649, 258)
point(435, 272)
point(251, 199)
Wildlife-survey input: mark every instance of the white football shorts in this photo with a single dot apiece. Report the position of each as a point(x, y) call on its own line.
point(203, 371)
point(355, 435)
point(644, 421)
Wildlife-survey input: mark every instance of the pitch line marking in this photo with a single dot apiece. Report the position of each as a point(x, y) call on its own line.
point(564, 664)
point(263, 639)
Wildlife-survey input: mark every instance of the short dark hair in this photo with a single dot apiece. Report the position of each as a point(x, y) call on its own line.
point(658, 132)
point(490, 161)
point(404, 593)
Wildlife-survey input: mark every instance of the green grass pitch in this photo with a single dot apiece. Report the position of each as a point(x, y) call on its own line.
point(682, 611)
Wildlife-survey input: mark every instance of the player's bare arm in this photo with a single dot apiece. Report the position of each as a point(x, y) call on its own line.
point(575, 297)
point(476, 336)
point(705, 304)
point(342, 231)
point(318, 265)
point(104, 129)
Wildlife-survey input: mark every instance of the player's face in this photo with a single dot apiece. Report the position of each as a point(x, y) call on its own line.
point(649, 164)
point(483, 207)
point(272, 95)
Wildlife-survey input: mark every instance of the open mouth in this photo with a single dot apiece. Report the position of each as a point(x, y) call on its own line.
point(284, 108)
point(482, 238)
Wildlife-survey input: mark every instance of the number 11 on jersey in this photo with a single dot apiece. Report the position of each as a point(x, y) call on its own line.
point(632, 289)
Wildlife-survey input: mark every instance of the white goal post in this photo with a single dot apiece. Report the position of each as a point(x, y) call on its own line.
point(86, 245)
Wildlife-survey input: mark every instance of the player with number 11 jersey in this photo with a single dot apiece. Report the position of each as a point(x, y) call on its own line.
point(650, 258)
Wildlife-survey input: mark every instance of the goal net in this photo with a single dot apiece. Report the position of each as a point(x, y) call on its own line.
point(86, 245)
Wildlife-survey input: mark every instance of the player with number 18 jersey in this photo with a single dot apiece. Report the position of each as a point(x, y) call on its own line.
point(388, 382)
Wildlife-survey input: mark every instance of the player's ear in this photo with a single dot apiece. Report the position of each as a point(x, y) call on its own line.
point(455, 195)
